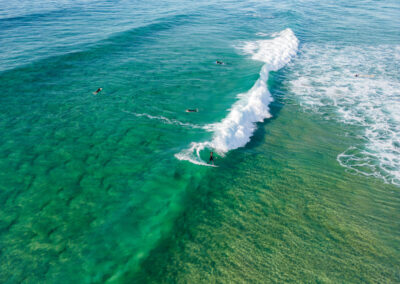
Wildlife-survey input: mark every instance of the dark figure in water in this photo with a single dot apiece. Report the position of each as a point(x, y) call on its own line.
point(98, 91)
point(192, 110)
point(211, 158)
point(220, 62)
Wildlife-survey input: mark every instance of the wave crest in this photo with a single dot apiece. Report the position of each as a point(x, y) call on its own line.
point(236, 129)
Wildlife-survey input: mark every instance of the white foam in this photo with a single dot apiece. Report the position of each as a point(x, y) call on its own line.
point(171, 121)
point(236, 129)
point(187, 154)
point(324, 82)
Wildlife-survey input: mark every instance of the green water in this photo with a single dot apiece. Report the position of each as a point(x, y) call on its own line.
point(91, 190)
point(299, 216)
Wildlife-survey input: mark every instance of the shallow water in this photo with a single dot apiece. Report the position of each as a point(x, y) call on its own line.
point(307, 183)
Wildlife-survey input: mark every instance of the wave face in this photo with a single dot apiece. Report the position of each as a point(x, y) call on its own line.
point(236, 129)
point(325, 82)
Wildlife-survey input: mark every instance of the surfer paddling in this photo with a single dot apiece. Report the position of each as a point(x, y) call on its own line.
point(192, 110)
point(98, 91)
point(211, 158)
point(220, 62)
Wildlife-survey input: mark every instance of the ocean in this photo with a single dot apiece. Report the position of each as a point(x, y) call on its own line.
point(303, 118)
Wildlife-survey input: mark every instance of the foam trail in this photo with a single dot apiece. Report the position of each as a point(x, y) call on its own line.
point(171, 121)
point(236, 129)
point(187, 154)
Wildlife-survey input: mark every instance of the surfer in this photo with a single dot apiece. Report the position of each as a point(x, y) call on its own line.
point(364, 76)
point(211, 158)
point(192, 110)
point(98, 91)
point(220, 62)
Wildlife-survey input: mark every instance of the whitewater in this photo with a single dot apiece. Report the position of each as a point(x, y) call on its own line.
point(236, 129)
point(325, 82)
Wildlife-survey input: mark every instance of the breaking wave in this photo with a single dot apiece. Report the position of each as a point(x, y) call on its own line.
point(236, 129)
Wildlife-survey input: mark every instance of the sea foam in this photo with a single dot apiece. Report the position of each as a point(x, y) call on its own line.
point(236, 129)
point(324, 81)
point(171, 121)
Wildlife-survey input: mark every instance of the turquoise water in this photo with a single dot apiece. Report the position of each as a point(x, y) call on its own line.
point(111, 188)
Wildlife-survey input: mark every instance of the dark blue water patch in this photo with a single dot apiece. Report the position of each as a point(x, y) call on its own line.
point(140, 34)
point(40, 18)
point(37, 35)
point(116, 42)
point(345, 23)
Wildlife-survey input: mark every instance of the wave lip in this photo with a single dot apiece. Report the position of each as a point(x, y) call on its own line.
point(236, 129)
